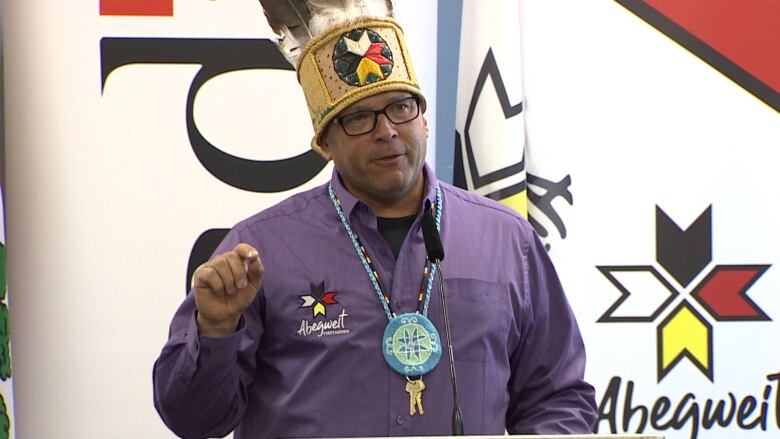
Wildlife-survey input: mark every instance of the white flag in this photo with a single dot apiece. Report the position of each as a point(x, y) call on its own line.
point(490, 130)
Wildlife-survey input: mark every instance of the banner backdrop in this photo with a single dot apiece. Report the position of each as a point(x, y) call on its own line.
point(653, 128)
point(137, 132)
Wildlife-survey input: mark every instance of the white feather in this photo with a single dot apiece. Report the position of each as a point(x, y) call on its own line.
point(298, 21)
point(329, 14)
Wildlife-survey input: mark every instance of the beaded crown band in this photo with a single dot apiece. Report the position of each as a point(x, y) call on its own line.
point(349, 63)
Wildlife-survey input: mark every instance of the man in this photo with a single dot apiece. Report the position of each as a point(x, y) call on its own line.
point(284, 333)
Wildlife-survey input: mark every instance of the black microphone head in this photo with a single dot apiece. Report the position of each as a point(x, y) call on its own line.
point(431, 235)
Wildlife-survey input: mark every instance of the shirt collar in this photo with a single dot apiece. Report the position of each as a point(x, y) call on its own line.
point(349, 202)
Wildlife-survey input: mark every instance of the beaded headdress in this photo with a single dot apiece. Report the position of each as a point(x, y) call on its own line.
point(343, 51)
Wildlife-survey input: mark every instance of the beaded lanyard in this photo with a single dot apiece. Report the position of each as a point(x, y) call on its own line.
point(410, 344)
point(427, 283)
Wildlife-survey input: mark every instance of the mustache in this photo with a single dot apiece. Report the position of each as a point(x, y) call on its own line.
point(392, 149)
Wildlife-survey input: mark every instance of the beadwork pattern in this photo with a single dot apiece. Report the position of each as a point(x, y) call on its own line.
point(365, 259)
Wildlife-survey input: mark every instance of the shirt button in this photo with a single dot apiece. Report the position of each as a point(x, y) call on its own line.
point(383, 252)
point(399, 420)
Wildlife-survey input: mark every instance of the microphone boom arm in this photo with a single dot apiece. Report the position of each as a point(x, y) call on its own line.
point(457, 417)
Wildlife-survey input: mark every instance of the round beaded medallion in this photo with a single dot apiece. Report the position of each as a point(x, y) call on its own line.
point(411, 344)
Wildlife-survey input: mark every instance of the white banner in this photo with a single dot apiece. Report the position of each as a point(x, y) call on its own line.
point(667, 243)
point(135, 128)
point(137, 132)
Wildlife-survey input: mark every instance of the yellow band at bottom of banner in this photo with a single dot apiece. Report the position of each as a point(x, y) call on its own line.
point(518, 202)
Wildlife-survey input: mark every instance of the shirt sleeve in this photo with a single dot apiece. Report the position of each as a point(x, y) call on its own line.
point(548, 393)
point(200, 383)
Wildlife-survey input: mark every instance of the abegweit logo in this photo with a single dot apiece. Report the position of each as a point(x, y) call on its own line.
point(686, 274)
point(646, 294)
point(318, 302)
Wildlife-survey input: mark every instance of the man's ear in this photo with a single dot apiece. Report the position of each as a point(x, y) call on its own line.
point(325, 145)
point(425, 124)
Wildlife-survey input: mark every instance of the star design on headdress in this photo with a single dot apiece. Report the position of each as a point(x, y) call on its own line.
point(318, 299)
point(360, 46)
point(361, 57)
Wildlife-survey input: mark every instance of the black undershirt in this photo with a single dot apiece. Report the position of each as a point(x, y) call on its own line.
point(394, 231)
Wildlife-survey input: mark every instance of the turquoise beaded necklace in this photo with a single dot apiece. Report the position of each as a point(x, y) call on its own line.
point(411, 343)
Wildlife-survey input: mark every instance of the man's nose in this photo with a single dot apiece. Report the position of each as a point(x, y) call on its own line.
point(385, 129)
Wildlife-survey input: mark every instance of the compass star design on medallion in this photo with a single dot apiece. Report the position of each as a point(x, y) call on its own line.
point(413, 344)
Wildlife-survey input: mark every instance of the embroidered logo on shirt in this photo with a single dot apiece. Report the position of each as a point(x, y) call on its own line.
point(320, 302)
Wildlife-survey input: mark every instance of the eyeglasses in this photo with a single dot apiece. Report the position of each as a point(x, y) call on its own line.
point(398, 112)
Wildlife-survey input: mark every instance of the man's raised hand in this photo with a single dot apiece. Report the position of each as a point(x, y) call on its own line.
point(224, 287)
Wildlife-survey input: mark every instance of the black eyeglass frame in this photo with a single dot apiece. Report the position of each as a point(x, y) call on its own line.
point(376, 113)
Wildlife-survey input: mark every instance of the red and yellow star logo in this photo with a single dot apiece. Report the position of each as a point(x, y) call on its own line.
point(318, 299)
point(646, 294)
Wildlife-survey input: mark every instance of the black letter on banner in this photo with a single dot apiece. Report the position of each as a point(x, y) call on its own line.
point(608, 406)
point(629, 411)
point(217, 56)
point(204, 246)
point(718, 414)
point(776, 377)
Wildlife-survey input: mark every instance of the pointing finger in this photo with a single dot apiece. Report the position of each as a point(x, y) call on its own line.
point(246, 252)
point(255, 272)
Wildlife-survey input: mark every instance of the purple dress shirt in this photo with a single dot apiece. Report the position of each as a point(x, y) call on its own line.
point(306, 360)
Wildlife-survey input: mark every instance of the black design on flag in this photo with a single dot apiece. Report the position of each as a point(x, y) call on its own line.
point(469, 148)
point(489, 156)
point(541, 194)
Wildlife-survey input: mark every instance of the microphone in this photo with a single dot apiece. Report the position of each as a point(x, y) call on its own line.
point(435, 252)
point(431, 236)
